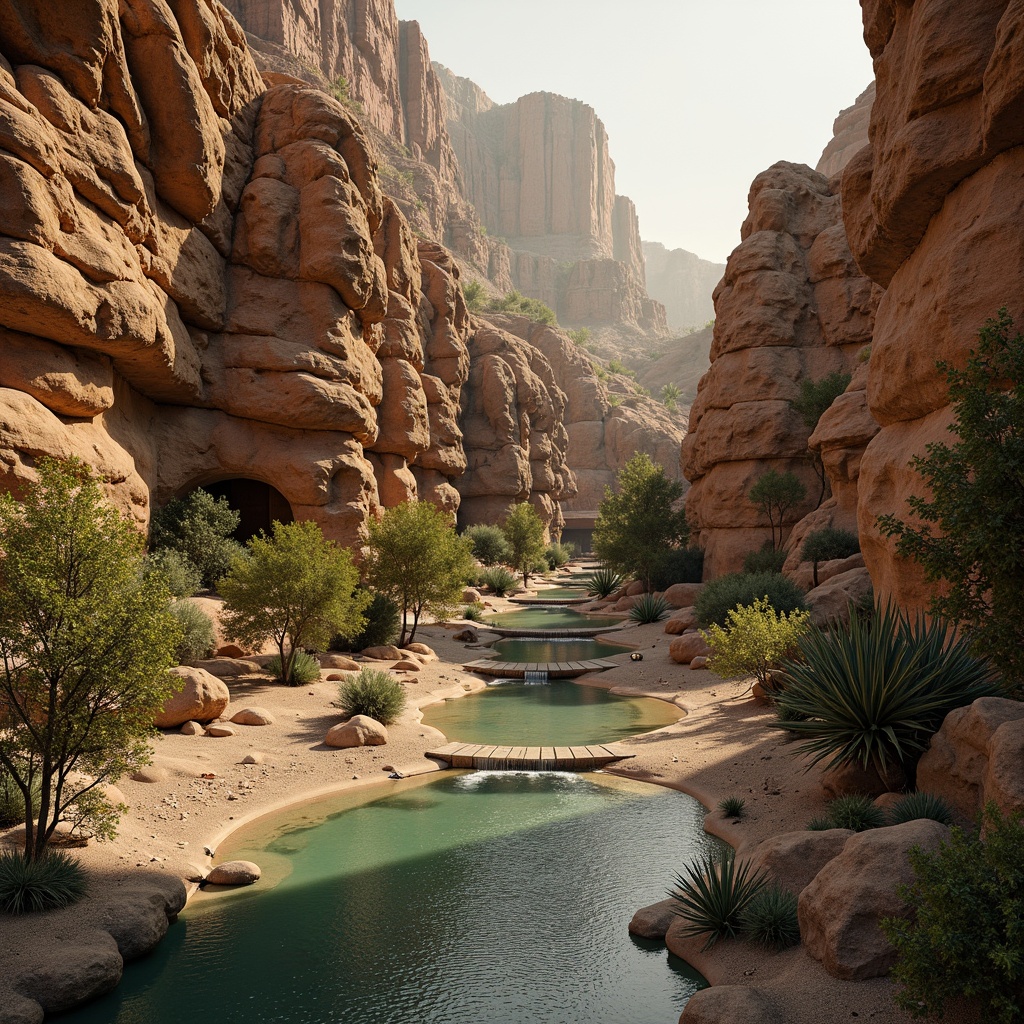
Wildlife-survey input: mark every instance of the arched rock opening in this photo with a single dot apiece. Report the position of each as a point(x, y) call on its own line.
point(258, 504)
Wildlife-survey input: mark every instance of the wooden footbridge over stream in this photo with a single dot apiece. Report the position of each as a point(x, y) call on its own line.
point(488, 756)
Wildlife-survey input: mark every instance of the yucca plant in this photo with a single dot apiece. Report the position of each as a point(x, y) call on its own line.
point(50, 882)
point(713, 894)
point(305, 669)
point(920, 805)
point(819, 824)
point(770, 918)
point(374, 693)
point(649, 608)
point(854, 812)
point(875, 691)
point(473, 612)
point(499, 580)
point(603, 582)
point(732, 806)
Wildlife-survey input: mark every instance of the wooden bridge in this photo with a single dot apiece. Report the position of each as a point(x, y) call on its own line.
point(554, 669)
point(527, 759)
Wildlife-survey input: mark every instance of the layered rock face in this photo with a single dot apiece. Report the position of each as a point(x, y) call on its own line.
point(791, 306)
point(926, 207)
point(683, 283)
point(849, 134)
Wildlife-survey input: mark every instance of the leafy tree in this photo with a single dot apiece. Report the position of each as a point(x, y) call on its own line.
point(296, 588)
point(776, 494)
point(199, 527)
point(637, 525)
point(814, 399)
point(489, 544)
point(473, 292)
point(670, 395)
point(85, 641)
point(417, 559)
point(826, 544)
point(524, 532)
point(970, 537)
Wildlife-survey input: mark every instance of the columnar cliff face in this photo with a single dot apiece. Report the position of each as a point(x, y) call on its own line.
point(683, 283)
point(849, 134)
point(792, 305)
point(932, 208)
point(200, 278)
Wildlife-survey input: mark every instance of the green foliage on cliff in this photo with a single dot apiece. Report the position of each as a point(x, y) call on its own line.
point(517, 304)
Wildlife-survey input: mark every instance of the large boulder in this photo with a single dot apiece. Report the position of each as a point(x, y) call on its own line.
point(228, 668)
point(683, 620)
point(793, 858)
point(687, 647)
point(384, 652)
point(140, 916)
point(83, 971)
point(198, 697)
point(253, 716)
point(730, 1004)
point(653, 922)
point(830, 602)
point(841, 909)
point(338, 661)
point(234, 872)
point(682, 595)
point(358, 731)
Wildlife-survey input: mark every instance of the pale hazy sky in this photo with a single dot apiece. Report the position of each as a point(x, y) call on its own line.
point(698, 96)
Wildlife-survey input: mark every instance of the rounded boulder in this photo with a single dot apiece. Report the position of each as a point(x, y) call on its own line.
point(253, 716)
point(358, 731)
point(234, 872)
point(198, 697)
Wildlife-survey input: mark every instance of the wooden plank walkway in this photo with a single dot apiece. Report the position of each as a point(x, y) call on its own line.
point(555, 669)
point(583, 632)
point(525, 759)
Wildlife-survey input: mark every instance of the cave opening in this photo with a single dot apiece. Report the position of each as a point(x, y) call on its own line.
point(257, 504)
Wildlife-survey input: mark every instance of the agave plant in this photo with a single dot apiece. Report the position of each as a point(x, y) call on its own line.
point(649, 608)
point(603, 582)
point(920, 805)
point(855, 812)
point(770, 918)
point(499, 580)
point(713, 895)
point(874, 692)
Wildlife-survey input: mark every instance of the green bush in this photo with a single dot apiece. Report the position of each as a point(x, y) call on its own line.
point(603, 583)
point(755, 640)
point(827, 544)
point(770, 918)
point(874, 692)
point(776, 495)
point(963, 938)
point(475, 296)
point(920, 805)
point(516, 303)
point(199, 527)
point(820, 824)
point(765, 560)
point(718, 597)
point(473, 612)
point(581, 336)
point(713, 894)
point(855, 812)
point(374, 693)
point(50, 882)
point(197, 635)
point(179, 575)
point(382, 626)
point(12, 803)
point(489, 544)
point(676, 565)
point(649, 608)
point(499, 581)
point(305, 669)
point(732, 806)
point(556, 555)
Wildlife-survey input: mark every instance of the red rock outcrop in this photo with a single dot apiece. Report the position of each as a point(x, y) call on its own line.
point(927, 207)
point(791, 306)
point(683, 283)
point(849, 134)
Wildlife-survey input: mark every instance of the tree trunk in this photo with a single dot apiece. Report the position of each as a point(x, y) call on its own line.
point(415, 626)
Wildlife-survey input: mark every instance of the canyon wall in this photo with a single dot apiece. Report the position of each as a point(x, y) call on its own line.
point(849, 134)
point(932, 207)
point(791, 306)
point(683, 283)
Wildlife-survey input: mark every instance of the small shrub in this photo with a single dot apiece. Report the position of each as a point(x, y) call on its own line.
point(180, 576)
point(476, 299)
point(718, 597)
point(12, 803)
point(199, 527)
point(556, 555)
point(819, 824)
point(305, 669)
point(603, 583)
point(964, 937)
point(581, 335)
point(499, 581)
point(713, 894)
point(732, 806)
point(920, 805)
point(676, 565)
point(648, 608)
point(518, 304)
point(770, 918)
point(826, 545)
point(50, 882)
point(765, 560)
point(755, 640)
point(374, 693)
point(615, 400)
point(776, 495)
point(489, 544)
point(855, 812)
point(473, 612)
point(197, 635)
point(382, 626)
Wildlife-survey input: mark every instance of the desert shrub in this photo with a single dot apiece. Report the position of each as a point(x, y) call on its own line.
point(499, 581)
point(556, 555)
point(12, 802)
point(518, 304)
point(776, 495)
point(755, 640)
point(374, 693)
point(649, 608)
point(874, 692)
point(676, 565)
point(581, 336)
point(855, 812)
point(180, 576)
point(732, 806)
point(765, 560)
point(474, 294)
point(473, 612)
point(826, 544)
point(49, 882)
point(820, 824)
point(770, 918)
point(199, 527)
point(603, 583)
point(489, 544)
point(920, 805)
point(383, 623)
point(713, 894)
point(718, 597)
point(197, 636)
point(964, 937)
point(305, 669)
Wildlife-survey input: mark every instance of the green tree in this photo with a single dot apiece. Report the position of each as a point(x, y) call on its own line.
point(417, 559)
point(296, 588)
point(637, 525)
point(476, 298)
point(814, 399)
point(670, 395)
point(199, 527)
point(776, 494)
point(85, 640)
point(524, 532)
point(971, 527)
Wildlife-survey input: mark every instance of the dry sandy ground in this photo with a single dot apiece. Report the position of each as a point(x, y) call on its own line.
point(724, 746)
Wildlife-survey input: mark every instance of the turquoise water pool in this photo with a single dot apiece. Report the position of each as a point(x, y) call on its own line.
point(550, 618)
point(543, 651)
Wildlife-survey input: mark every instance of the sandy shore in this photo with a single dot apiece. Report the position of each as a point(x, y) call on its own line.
point(202, 792)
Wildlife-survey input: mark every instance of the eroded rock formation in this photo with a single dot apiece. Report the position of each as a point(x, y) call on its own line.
point(791, 306)
point(849, 134)
point(683, 283)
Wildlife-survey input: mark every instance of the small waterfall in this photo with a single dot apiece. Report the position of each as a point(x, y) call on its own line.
point(536, 677)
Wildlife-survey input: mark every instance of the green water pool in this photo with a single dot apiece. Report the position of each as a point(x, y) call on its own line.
point(560, 593)
point(471, 898)
point(550, 618)
point(523, 649)
point(560, 713)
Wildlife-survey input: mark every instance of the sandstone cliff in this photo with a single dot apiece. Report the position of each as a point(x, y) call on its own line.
point(792, 305)
point(683, 283)
point(849, 134)
point(931, 208)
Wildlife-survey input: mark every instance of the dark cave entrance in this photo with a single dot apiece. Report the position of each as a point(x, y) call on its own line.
point(257, 503)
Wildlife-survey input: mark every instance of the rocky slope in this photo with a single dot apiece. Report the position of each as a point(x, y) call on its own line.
point(683, 283)
point(849, 134)
point(791, 306)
